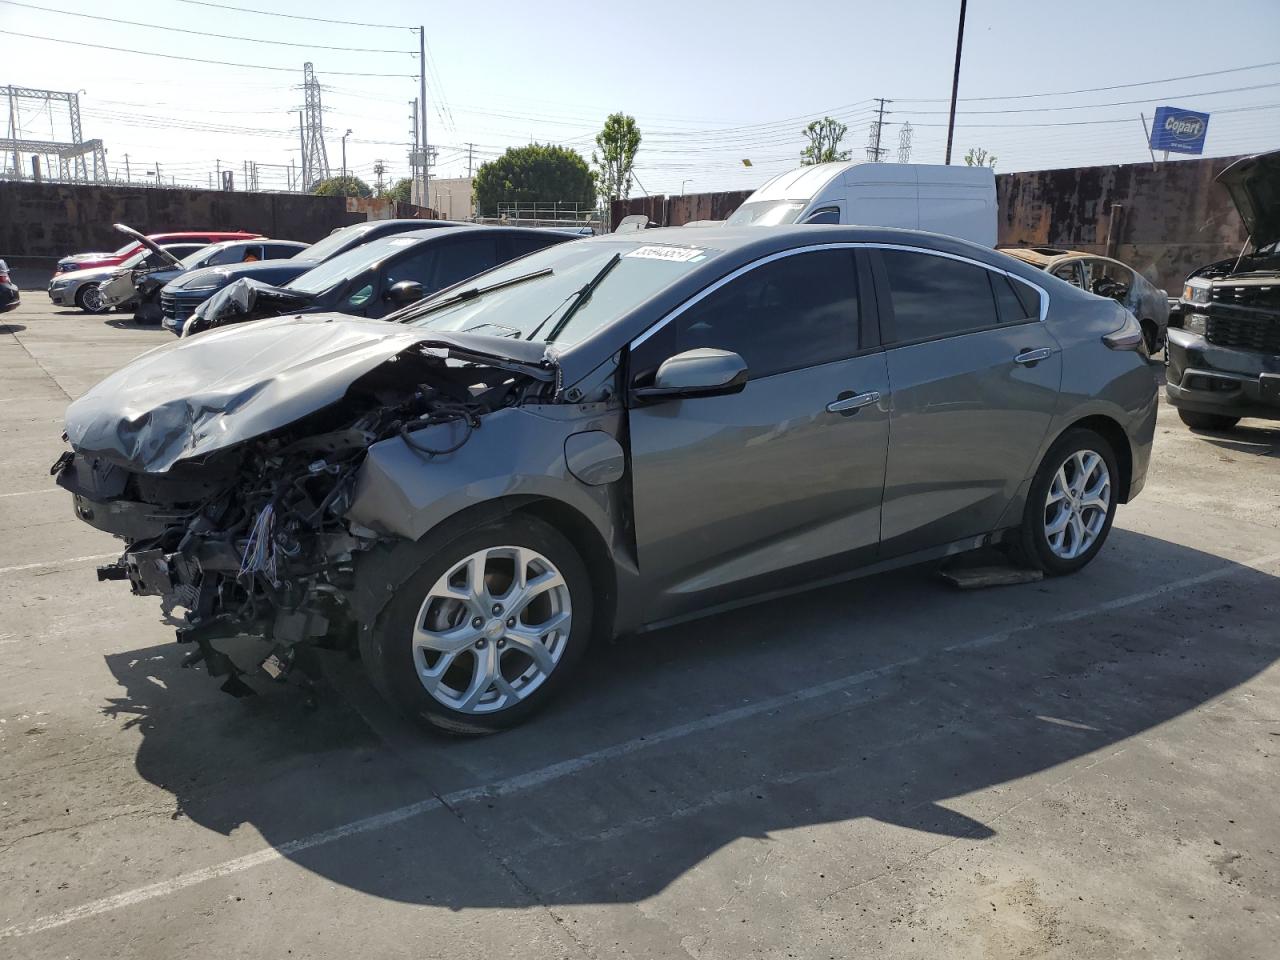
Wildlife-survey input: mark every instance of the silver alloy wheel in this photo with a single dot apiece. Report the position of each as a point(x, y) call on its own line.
point(492, 629)
point(1076, 507)
point(92, 299)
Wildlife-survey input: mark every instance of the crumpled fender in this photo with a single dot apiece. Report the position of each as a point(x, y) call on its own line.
point(240, 301)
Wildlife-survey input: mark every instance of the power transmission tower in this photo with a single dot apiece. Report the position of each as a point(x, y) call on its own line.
point(315, 159)
point(875, 152)
point(379, 169)
point(904, 143)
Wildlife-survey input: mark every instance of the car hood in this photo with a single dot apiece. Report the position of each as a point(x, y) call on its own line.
point(1254, 185)
point(83, 257)
point(193, 397)
point(148, 243)
point(90, 273)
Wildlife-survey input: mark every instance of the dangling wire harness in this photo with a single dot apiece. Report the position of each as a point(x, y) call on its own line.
point(444, 413)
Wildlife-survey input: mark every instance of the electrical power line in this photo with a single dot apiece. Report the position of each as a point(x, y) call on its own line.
point(293, 16)
point(1114, 86)
point(219, 63)
point(1091, 106)
point(197, 33)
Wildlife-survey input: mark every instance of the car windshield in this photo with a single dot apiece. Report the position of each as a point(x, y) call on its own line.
point(327, 247)
point(535, 308)
point(193, 258)
point(327, 275)
point(125, 249)
point(767, 213)
point(137, 258)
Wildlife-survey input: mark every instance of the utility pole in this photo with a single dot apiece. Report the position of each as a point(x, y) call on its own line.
point(13, 135)
point(955, 82)
point(379, 169)
point(422, 104)
point(415, 156)
point(127, 177)
point(345, 193)
point(470, 148)
point(302, 158)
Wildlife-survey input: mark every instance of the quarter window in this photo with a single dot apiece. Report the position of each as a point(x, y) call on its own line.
point(1016, 301)
point(797, 311)
point(937, 297)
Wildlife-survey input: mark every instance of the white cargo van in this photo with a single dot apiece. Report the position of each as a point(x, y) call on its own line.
point(957, 201)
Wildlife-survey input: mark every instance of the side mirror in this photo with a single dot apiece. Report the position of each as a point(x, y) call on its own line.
point(696, 373)
point(404, 293)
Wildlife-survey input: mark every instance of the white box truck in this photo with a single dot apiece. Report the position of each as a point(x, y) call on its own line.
point(957, 201)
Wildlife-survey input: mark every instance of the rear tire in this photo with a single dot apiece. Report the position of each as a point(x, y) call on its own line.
point(1071, 505)
point(449, 649)
point(1207, 421)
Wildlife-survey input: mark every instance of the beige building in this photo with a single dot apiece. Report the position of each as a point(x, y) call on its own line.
point(451, 198)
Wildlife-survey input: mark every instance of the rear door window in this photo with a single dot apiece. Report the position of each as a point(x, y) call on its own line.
point(935, 297)
point(460, 258)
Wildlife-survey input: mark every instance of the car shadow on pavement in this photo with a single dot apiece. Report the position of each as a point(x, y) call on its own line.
point(655, 760)
point(8, 327)
point(1256, 441)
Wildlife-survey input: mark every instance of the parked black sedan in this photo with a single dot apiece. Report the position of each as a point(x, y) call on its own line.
point(179, 299)
point(378, 277)
point(9, 296)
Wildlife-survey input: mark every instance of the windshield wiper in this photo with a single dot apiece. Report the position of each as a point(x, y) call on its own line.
point(579, 297)
point(462, 295)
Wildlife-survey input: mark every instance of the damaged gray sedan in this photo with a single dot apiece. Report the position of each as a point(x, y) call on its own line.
point(603, 438)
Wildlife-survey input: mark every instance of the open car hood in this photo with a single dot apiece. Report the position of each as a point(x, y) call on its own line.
point(1254, 185)
point(193, 397)
point(148, 243)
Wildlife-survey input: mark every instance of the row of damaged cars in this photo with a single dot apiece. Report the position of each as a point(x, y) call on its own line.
point(367, 269)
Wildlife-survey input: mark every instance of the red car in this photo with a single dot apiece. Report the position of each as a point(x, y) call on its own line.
point(88, 261)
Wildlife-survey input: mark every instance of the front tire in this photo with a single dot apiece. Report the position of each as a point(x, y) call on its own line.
point(89, 299)
point(1071, 504)
point(486, 631)
point(1207, 421)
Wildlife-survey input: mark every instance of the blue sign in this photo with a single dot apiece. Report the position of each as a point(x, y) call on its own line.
point(1179, 131)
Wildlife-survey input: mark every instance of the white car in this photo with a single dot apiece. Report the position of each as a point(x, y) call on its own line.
point(82, 288)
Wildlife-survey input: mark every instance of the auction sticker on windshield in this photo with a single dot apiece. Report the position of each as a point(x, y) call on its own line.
point(675, 254)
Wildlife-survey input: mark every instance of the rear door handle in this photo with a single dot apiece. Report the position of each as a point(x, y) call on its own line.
point(1030, 358)
point(850, 402)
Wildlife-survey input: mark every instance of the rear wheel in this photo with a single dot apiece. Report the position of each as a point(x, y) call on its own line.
point(1207, 421)
point(486, 631)
point(1071, 504)
point(89, 299)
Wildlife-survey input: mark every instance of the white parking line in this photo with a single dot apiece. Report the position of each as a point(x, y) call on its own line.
point(58, 563)
point(555, 771)
point(29, 493)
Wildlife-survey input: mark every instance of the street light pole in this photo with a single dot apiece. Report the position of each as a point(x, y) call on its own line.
point(955, 82)
point(344, 162)
point(682, 183)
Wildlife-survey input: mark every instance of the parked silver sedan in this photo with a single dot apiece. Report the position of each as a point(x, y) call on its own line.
point(83, 288)
point(602, 438)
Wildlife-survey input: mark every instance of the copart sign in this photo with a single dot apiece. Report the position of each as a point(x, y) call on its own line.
point(1178, 130)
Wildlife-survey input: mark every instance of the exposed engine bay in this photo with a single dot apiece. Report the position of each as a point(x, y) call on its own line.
point(250, 538)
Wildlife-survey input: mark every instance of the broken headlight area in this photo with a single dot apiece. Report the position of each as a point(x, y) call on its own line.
point(252, 541)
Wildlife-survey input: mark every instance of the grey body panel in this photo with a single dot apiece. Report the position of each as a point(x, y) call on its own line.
point(736, 489)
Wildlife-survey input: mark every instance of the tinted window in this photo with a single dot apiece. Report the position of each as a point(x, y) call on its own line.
point(461, 258)
point(795, 312)
point(227, 255)
point(416, 266)
point(523, 243)
point(1014, 305)
point(937, 296)
point(279, 251)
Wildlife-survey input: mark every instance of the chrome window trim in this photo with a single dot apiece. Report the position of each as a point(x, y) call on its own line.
point(842, 245)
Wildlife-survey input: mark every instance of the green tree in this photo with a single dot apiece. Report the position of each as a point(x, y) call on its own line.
point(824, 142)
point(618, 143)
point(540, 174)
point(977, 157)
point(342, 187)
point(401, 191)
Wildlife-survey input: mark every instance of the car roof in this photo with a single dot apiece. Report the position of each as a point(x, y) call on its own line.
point(190, 234)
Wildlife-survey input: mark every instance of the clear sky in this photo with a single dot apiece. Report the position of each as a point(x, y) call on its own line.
point(710, 83)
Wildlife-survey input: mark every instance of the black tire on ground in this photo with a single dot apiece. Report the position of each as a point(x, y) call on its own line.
point(1207, 421)
point(80, 299)
point(387, 650)
point(1030, 545)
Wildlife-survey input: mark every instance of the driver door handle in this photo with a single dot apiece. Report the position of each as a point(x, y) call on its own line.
point(850, 402)
point(1029, 358)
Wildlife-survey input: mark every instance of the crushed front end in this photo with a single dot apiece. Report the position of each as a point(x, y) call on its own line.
point(250, 538)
